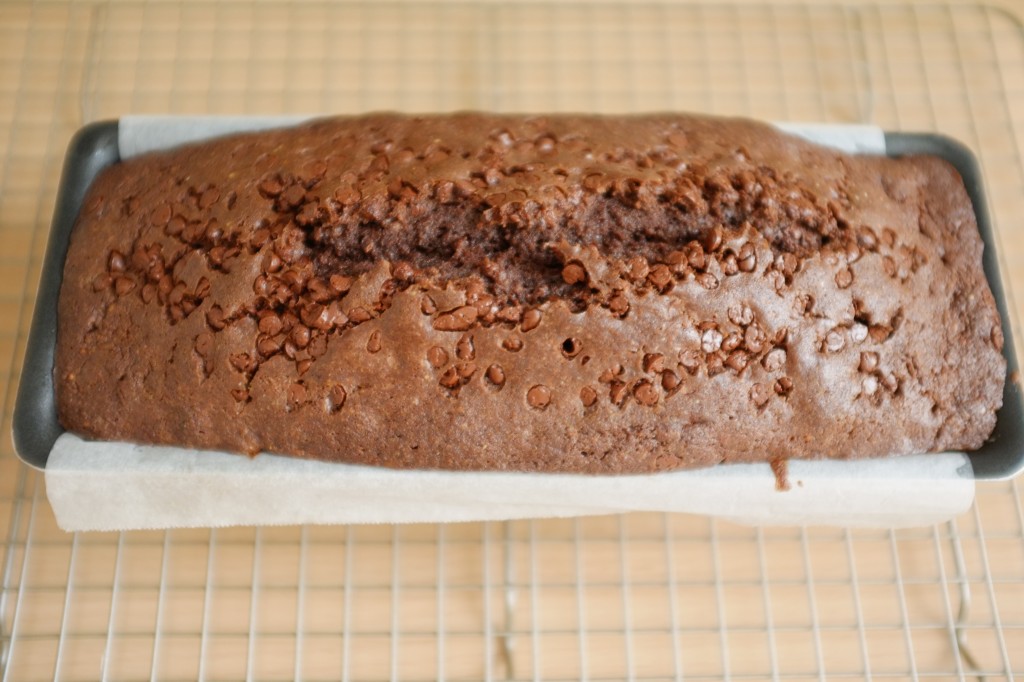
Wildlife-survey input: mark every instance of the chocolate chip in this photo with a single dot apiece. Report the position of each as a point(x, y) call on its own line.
point(340, 284)
point(711, 340)
point(715, 364)
point(760, 394)
point(788, 264)
point(690, 360)
point(319, 290)
point(510, 314)
point(609, 375)
point(314, 316)
point(175, 226)
point(204, 344)
point(661, 278)
point(835, 341)
point(695, 255)
point(260, 237)
point(115, 263)
point(844, 278)
point(868, 362)
point(618, 392)
point(427, 305)
point(496, 375)
point(853, 252)
point(373, 343)
point(270, 324)
point(242, 362)
point(774, 360)
point(209, 198)
point(444, 193)
point(638, 269)
point(299, 336)
point(267, 346)
point(261, 286)
point(740, 315)
point(571, 347)
point(437, 357)
point(271, 186)
point(333, 316)
point(164, 287)
point(160, 215)
point(707, 280)
point(574, 273)
point(588, 396)
point(272, 262)
point(737, 361)
point(545, 144)
point(669, 380)
point(730, 266)
point(403, 271)
point(202, 288)
point(464, 349)
point(645, 393)
point(866, 239)
point(466, 370)
point(531, 318)
point(293, 196)
point(618, 305)
point(335, 398)
point(747, 258)
point(539, 397)
point(513, 344)
point(754, 338)
point(317, 345)
point(712, 239)
point(450, 378)
point(458, 320)
point(879, 332)
point(732, 342)
point(654, 362)
point(296, 395)
point(676, 258)
point(347, 195)
point(359, 315)
point(889, 266)
point(124, 286)
point(889, 237)
point(593, 182)
point(996, 336)
point(677, 139)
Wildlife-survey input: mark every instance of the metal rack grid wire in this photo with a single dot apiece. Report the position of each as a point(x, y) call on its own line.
point(642, 596)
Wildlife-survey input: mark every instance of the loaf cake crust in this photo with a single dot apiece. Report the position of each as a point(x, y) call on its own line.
point(567, 293)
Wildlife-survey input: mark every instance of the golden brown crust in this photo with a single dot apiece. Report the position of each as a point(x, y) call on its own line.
point(561, 293)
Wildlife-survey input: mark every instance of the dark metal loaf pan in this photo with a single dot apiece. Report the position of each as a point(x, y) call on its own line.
point(96, 146)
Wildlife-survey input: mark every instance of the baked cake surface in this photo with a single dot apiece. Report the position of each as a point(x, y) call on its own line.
point(544, 293)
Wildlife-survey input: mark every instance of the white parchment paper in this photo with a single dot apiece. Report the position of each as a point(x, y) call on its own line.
point(114, 486)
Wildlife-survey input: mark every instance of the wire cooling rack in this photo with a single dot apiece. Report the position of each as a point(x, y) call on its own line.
point(642, 596)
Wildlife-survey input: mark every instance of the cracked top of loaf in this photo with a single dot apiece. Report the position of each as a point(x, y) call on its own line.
point(547, 293)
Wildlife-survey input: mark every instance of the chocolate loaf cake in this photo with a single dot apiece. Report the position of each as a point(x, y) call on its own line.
point(537, 293)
